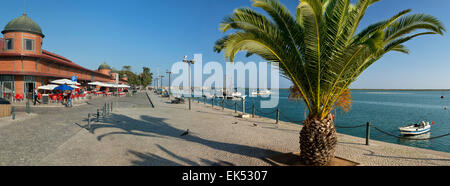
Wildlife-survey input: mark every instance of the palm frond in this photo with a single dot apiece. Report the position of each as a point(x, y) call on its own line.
point(319, 49)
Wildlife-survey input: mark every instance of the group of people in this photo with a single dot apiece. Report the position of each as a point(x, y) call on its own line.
point(67, 98)
point(67, 95)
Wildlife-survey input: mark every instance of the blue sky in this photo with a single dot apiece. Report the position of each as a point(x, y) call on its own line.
point(158, 33)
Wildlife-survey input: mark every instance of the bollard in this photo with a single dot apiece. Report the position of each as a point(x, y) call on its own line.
point(253, 110)
point(28, 106)
point(98, 115)
point(190, 102)
point(235, 107)
point(223, 103)
point(278, 115)
point(212, 102)
point(13, 112)
point(204, 100)
point(89, 121)
point(367, 133)
point(243, 106)
point(112, 106)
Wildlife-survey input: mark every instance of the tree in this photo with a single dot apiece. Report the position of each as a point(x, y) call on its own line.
point(146, 76)
point(126, 68)
point(133, 79)
point(320, 51)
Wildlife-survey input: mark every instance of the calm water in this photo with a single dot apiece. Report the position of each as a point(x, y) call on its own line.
point(387, 110)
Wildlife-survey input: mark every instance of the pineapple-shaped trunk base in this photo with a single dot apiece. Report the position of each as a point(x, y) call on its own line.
point(318, 141)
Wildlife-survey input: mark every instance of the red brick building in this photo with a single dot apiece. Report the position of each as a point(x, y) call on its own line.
point(24, 65)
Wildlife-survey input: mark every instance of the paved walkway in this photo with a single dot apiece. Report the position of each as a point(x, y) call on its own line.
point(136, 134)
point(31, 137)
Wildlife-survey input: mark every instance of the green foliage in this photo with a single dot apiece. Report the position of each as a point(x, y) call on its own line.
point(144, 78)
point(319, 49)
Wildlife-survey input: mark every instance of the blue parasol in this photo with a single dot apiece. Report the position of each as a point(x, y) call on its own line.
point(63, 87)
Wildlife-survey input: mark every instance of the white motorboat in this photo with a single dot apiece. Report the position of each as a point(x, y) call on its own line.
point(262, 92)
point(236, 94)
point(416, 129)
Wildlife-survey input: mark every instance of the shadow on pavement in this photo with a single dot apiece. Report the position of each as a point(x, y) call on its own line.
point(149, 126)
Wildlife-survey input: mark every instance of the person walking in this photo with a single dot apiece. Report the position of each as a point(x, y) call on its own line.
point(35, 97)
point(64, 94)
point(69, 99)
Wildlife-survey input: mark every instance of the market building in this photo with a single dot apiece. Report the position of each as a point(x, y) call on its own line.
point(25, 65)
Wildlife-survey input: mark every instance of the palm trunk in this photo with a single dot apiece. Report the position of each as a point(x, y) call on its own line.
point(318, 141)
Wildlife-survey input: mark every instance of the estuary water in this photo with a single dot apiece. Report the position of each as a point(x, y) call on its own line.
point(386, 110)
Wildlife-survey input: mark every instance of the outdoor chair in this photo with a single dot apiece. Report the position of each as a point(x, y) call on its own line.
point(54, 98)
point(20, 97)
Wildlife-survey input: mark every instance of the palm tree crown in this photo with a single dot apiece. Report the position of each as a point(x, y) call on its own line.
point(319, 49)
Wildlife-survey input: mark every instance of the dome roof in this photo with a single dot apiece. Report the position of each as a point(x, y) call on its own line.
point(23, 24)
point(104, 66)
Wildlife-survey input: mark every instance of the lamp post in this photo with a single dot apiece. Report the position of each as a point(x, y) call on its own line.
point(168, 72)
point(161, 80)
point(157, 84)
point(189, 62)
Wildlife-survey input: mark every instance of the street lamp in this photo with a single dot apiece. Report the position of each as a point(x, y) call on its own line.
point(189, 62)
point(161, 81)
point(157, 83)
point(168, 72)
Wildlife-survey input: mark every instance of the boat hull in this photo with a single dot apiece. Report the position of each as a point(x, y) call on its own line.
point(415, 132)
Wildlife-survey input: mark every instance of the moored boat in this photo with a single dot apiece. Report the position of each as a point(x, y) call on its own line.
point(236, 94)
point(262, 92)
point(416, 129)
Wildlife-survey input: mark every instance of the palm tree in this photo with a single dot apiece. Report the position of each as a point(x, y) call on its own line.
point(126, 68)
point(321, 52)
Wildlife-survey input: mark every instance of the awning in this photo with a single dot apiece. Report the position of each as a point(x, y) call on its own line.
point(64, 81)
point(47, 87)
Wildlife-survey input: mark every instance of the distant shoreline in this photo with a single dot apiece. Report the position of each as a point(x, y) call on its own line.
point(405, 89)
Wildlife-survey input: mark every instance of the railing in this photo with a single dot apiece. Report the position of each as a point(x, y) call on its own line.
point(148, 97)
point(250, 107)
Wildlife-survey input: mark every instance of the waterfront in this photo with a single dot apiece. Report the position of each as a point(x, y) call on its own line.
point(135, 133)
point(385, 109)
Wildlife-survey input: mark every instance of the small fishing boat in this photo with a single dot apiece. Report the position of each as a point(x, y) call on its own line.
point(254, 93)
point(262, 92)
point(416, 129)
point(236, 94)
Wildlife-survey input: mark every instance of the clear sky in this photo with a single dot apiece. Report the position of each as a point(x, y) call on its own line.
point(157, 33)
